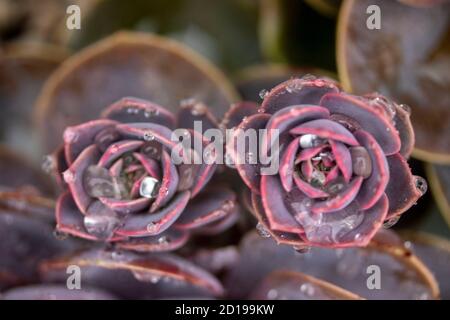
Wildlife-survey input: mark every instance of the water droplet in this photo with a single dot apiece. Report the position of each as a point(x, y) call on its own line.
point(187, 102)
point(59, 234)
point(148, 136)
point(302, 249)
point(307, 289)
point(262, 231)
point(310, 140)
point(350, 264)
point(198, 109)
point(406, 108)
point(263, 93)
point(152, 227)
point(421, 184)
point(309, 77)
point(391, 222)
point(228, 205)
point(361, 162)
point(69, 176)
point(114, 148)
point(272, 294)
point(408, 245)
point(70, 135)
point(381, 102)
point(163, 240)
point(48, 163)
point(100, 220)
point(144, 276)
point(149, 187)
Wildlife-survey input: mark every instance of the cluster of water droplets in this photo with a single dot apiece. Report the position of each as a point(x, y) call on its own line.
point(70, 135)
point(149, 136)
point(146, 112)
point(262, 231)
point(305, 290)
point(324, 228)
point(164, 240)
point(146, 276)
point(310, 141)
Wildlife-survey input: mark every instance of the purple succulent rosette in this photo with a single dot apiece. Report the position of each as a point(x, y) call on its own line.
point(342, 163)
point(122, 185)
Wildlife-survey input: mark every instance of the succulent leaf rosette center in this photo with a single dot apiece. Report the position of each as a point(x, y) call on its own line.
point(342, 164)
point(124, 187)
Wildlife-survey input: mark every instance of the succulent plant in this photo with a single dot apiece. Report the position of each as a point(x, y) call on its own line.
point(123, 185)
point(342, 170)
point(135, 222)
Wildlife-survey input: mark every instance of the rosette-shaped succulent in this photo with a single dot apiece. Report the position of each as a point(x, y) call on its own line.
point(124, 186)
point(342, 163)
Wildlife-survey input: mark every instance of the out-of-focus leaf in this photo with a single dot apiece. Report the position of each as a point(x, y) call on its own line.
point(281, 285)
point(407, 59)
point(25, 240)
point(435, 252)
point(136, 276)
point(18, 174)
point(329, 8)
point(403, 275)
point(439, 180)
point(294, 33)
point(127, 64)
point(23, 70)
point(223, 31)
point(54, 292)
